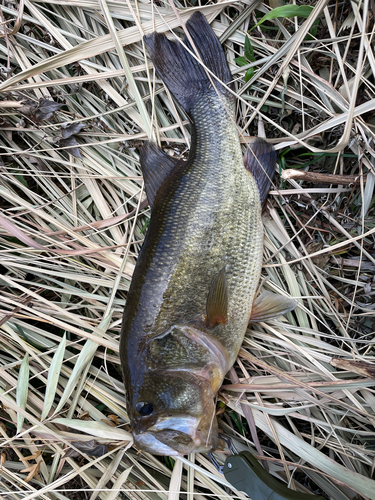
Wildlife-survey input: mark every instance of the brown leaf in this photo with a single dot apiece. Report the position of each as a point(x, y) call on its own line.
point(73, 150)
point(28, 108)
point(34, 456)
point(114, 419)
point(28, 469)
point(319, 260)
point(108, 422)
point(46, 109)
point(360, 367)
point(72, 129)
point(42, 110)
point(33, 471)
point(84, 415)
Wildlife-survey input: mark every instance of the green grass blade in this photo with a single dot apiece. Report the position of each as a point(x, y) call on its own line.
point(286, 11)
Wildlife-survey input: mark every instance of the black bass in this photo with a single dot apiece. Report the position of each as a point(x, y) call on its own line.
point(194, 285)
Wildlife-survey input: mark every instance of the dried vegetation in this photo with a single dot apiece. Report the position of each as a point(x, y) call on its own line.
point(78, 97)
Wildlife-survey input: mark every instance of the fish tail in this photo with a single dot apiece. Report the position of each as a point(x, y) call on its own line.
point(184, 76)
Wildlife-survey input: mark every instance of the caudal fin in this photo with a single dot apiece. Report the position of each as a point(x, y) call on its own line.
point(184, 76)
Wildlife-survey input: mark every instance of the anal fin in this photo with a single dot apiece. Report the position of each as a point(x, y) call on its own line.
point(217, 300)
point(260, 161)
point(270, 306)
point(156, 167)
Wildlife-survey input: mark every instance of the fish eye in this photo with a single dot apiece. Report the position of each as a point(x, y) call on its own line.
point(144, 408)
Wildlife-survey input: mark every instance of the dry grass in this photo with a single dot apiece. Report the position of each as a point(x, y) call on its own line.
point(72, 224)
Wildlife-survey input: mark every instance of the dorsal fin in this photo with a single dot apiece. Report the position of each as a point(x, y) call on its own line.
point(156, 166)
point(217, 300)
point(260, 161)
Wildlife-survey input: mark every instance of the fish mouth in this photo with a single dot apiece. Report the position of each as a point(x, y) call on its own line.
point(179, 435)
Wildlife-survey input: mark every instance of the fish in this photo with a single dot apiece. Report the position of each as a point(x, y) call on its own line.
point(194, 286)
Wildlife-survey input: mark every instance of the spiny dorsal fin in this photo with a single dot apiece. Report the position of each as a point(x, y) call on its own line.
point(217, 300)
point(260, 160)
point(270, 306)
point(156, 166)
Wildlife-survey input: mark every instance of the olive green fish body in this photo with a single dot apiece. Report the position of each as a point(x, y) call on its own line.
point(207, 217)
point(210, 220)
point(205, 237)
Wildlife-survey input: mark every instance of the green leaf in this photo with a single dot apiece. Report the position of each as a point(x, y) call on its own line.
point(249, 51)
point(285, 12)
point(237, 420)
point(53, 377)
point(169, 462)
point(145, 226)
point(282, 162)
point(313, 30)
point(22, 390)
point(249, 74)
point(21, 179)
point(241, 61)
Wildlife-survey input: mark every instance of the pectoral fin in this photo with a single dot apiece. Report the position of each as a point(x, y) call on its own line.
point(270, 306)
point(217, 300)
point(156, 166)
point(260, 160)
